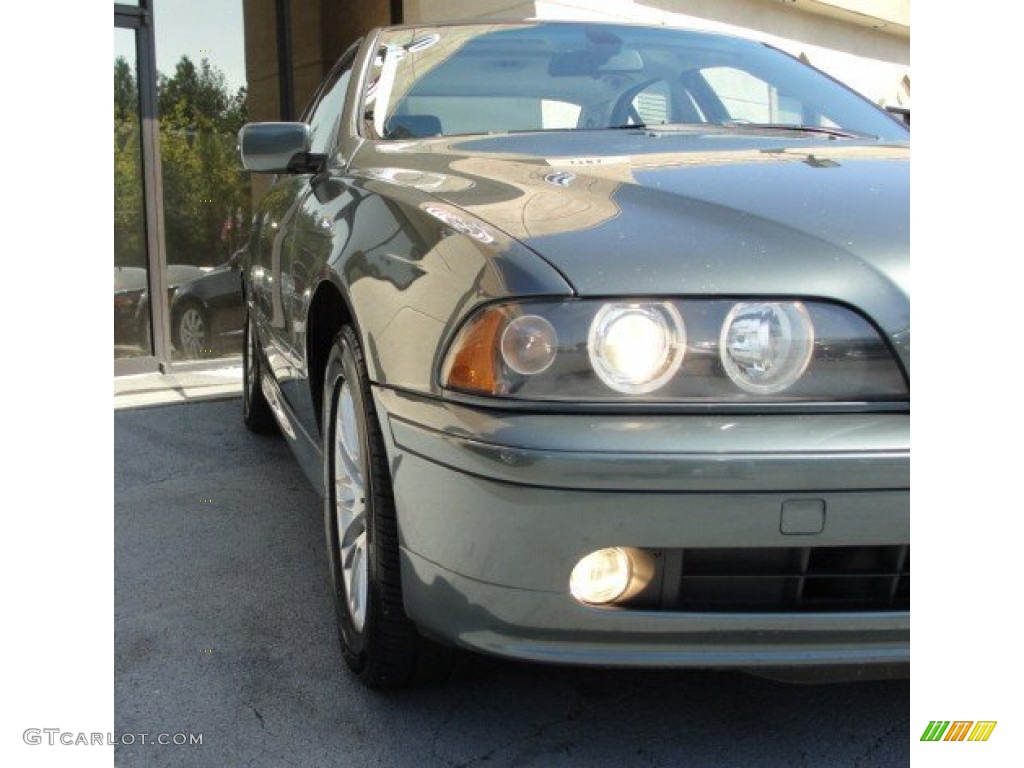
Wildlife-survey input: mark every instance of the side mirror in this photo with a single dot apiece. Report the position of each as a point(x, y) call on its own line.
point(235, 262)
point(277, 148)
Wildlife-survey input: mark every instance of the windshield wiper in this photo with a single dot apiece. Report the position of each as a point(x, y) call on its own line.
point(832, 133)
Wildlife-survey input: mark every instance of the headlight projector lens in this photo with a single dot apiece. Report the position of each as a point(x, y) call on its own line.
point(636, 348)
point(766, 346)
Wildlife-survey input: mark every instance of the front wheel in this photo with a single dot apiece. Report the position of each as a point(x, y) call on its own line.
point(381, 646)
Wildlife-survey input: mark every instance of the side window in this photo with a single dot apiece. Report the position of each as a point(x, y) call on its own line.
point(652, 104)
point(659, 103)
point(559, 114)
point(326, 115)
point(751, 99)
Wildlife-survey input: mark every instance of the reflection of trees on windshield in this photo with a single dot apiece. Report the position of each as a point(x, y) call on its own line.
point(207, 204)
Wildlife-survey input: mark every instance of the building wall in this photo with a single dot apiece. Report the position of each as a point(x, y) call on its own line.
point(894, 15)
point(261, 71)
point(321, 30)
point(425, 11)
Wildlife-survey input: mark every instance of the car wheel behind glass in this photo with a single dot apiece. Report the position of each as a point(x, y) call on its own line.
point(255, 409)
point(381, 646)
point(192, 332)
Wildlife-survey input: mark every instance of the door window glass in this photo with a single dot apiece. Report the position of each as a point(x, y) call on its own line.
point(326, 117)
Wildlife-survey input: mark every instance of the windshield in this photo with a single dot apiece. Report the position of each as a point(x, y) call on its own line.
point(479, 79)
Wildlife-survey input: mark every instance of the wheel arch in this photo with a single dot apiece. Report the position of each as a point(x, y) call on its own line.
point(329, 310)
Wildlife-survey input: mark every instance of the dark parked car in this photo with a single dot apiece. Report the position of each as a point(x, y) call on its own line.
point(130, 324)
point(596, 340)
point(207, 314)
point(131, 305)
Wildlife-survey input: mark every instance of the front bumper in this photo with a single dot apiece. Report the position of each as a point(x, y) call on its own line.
point(495, 510)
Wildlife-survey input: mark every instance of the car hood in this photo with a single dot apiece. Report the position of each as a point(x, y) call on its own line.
point(645, 213)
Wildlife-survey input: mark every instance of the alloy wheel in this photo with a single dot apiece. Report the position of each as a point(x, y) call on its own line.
point(192, 332)
point(350, 505)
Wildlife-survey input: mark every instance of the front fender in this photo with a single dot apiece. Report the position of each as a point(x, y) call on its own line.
point(412, 267)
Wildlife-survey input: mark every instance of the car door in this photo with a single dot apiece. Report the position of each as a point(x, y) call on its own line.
point(270, 243)
point(310, 240)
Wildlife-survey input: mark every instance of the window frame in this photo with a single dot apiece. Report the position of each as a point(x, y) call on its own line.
point(345, 63)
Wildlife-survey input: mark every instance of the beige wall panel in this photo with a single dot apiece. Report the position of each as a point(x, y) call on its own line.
point(262, 99)
point(345, 21)
point(419, 11)
point(305, 81)
point(260, 39)
point(894, 13)
point(307, 47)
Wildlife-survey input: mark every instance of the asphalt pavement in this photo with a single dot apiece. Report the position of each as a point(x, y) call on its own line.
point(224, 631)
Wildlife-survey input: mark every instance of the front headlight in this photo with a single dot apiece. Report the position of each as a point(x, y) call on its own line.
point(636, 348)
point(766, 346)
point(696, 351)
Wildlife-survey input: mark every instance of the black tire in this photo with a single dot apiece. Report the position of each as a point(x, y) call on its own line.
point(388, 651)
point(256, 412)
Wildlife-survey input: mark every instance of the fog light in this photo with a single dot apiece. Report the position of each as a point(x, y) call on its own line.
point(611, 574)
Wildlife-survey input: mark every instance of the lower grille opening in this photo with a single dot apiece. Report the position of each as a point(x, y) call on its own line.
point(875, 578)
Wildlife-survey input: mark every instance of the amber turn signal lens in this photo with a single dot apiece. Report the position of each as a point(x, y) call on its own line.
point(473, 360)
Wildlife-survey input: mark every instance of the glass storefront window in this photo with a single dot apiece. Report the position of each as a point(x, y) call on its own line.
point(132, 326)
point(206, 193)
